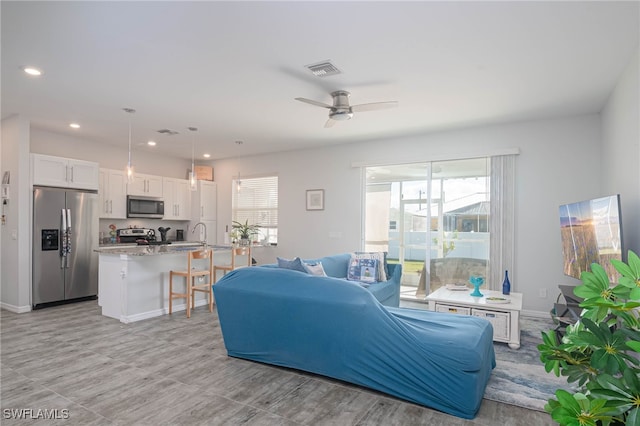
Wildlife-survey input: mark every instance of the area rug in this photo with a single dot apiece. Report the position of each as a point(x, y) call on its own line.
point(519, 377)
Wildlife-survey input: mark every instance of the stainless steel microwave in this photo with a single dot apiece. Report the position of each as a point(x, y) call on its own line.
point(145, 207)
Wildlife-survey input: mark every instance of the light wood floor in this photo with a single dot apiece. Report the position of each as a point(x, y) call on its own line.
point(173, 370)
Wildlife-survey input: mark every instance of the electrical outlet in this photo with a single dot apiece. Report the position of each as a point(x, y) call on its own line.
point(542, 293)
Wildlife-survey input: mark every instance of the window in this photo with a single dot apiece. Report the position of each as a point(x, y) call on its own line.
point(256, 200)
point(431, 217)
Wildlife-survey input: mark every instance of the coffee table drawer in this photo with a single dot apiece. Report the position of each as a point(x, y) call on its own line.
point(449, 309)
point(499, 320)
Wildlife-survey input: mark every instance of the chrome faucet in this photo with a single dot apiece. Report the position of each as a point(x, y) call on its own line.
point(205, 231)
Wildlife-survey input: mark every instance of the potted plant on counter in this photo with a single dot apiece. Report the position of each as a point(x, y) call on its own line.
point(243, 232)
point(600, 352)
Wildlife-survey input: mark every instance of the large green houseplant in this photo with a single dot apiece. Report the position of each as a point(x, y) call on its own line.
point(600, 353)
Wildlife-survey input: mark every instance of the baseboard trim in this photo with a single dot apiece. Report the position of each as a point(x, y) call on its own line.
point(158, 312)
point(15, 309)
point(535, 314)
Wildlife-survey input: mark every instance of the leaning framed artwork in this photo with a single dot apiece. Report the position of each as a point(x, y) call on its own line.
point(315, 199)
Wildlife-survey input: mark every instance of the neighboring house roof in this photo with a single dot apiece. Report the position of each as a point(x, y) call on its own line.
point(480, 208)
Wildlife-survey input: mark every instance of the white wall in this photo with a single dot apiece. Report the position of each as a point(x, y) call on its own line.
point(558, 164)
point(15, 268)
point(620, 153)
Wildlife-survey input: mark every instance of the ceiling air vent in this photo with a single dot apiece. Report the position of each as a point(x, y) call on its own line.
point(168, 132)
point(323, 69)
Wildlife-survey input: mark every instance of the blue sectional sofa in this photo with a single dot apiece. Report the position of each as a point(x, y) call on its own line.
point(338, 329)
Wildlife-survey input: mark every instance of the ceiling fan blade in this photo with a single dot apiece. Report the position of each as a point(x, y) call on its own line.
point(330, 122)
point(374, 106)
point(312, 102)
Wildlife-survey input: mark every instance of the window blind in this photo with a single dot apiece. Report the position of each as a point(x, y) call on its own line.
point(256, 200)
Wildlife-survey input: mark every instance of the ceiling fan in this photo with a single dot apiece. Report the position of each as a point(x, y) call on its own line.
point(341, 110)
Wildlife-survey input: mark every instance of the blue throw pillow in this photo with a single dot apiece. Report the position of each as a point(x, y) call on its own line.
point(294, 264)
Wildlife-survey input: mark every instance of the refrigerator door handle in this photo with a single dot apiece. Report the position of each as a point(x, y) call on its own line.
point(63, 240)
point(68, 235)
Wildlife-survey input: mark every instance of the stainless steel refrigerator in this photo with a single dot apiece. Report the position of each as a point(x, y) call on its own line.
point(65, 233)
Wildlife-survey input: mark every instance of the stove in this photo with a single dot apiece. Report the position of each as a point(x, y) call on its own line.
point(133, 235)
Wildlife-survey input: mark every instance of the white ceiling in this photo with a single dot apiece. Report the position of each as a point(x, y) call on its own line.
point(233, 69)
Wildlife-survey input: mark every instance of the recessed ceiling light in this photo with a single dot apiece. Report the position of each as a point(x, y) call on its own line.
point(151, 143)
point(206, 155)
point(32, 71)
point(74, 125)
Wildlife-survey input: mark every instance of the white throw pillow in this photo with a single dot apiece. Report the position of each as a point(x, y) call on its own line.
point(314, 269)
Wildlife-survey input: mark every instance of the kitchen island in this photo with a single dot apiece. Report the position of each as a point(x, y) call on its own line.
point(133, 281)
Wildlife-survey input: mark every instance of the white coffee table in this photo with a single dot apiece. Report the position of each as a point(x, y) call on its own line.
point(505, 317)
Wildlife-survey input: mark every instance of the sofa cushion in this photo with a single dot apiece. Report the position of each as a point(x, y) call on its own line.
point(364, 270)
point(314, 269)
point(294, 264)
point(381, 274)
point(334, 266)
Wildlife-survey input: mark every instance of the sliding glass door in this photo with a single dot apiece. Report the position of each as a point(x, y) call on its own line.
point(432, 218)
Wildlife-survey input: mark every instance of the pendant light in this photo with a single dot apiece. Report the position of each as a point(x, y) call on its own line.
point(129, 168)
point(193, 184)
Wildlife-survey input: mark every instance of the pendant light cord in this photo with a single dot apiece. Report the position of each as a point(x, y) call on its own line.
point(193, 129)
point(129, 111)
point(129, 141)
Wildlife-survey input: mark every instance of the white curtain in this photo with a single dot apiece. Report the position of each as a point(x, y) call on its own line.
point(501, 222)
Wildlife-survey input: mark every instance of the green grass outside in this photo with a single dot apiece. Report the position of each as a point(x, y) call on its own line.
point(410, 266)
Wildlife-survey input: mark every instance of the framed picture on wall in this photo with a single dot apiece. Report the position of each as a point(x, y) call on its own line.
point(315, 199)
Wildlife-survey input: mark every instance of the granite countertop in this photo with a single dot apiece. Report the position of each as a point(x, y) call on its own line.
point(153, 250)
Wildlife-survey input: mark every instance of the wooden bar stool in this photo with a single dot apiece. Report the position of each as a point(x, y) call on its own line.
point(191, 274)
point(235, 251)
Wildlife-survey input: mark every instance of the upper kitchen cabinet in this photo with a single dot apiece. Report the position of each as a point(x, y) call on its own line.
point(113, 194)
point(203, 201)
point(177, 199)
point(64, 172)
point(145, 185)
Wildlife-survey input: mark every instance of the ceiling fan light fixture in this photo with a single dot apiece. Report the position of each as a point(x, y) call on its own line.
point(341, 115)
point(342, 110)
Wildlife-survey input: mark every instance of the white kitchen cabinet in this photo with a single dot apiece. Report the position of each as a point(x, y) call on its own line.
point(203, 202)
point(112, 194)
point(177, 199)
point(145, 185)
point(64, 172)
